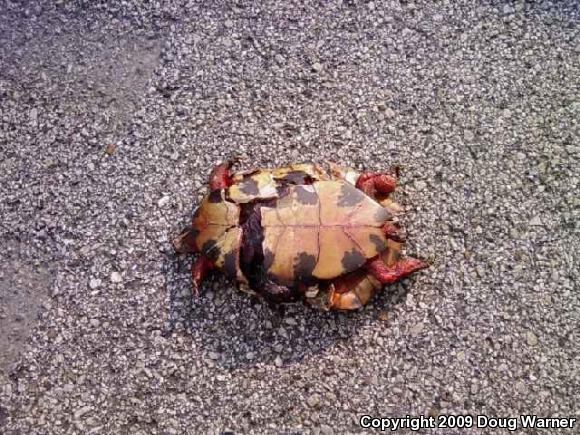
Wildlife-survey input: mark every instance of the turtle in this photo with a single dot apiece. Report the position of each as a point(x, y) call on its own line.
point(303, 232)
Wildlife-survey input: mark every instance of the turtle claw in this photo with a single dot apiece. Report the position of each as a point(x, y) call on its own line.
point(430, 260)
point(394, 232)
point(195, 290)
point(199, 270)
point(231, 161)
point(236, 159)
point(396, 170)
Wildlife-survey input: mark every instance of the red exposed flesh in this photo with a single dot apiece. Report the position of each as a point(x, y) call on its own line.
point(199, 270)
point(376, 182)
point(390, 274)
point(220, 176)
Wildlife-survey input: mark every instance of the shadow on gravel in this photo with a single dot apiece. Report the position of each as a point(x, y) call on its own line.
point(237, 330)
point(23, 288)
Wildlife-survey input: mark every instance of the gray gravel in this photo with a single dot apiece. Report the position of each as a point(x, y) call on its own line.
point(111, 115)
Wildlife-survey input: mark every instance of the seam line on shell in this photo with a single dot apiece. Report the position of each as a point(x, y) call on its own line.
point(319, 226)
point(323, 226)
point(277, 210)
point(276, 245)
point(216, 245)
point(352, 239)
point(355, 209)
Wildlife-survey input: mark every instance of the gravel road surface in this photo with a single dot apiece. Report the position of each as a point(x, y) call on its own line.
point(111, 116)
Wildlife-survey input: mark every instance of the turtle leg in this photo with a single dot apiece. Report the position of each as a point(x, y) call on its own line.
point(199, 270)
point(389, 274)
point(372, 183)
point(184, 243)
point(393, 231)
point(220, 176)
point(276, 293)
point(351, 291)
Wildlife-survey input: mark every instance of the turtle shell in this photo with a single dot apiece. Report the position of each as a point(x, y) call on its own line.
point(216, 223)
point(265, 183)
point(320, 231)
point(360, 286)
point(247, 187)
point(217, 234)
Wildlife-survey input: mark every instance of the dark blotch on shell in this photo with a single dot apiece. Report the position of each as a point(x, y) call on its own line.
point(192, 236)
point(230, 264)
point(297, 177)
point(304, 265)
point(352, 260)
point(282, 191)
point(379, 243)
point(249, 186)
point(349, 196)
point(305, 196)
point(211, 250)
point(194, 233)
point(268, 259)
point(382, 215)
point(215, 196)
